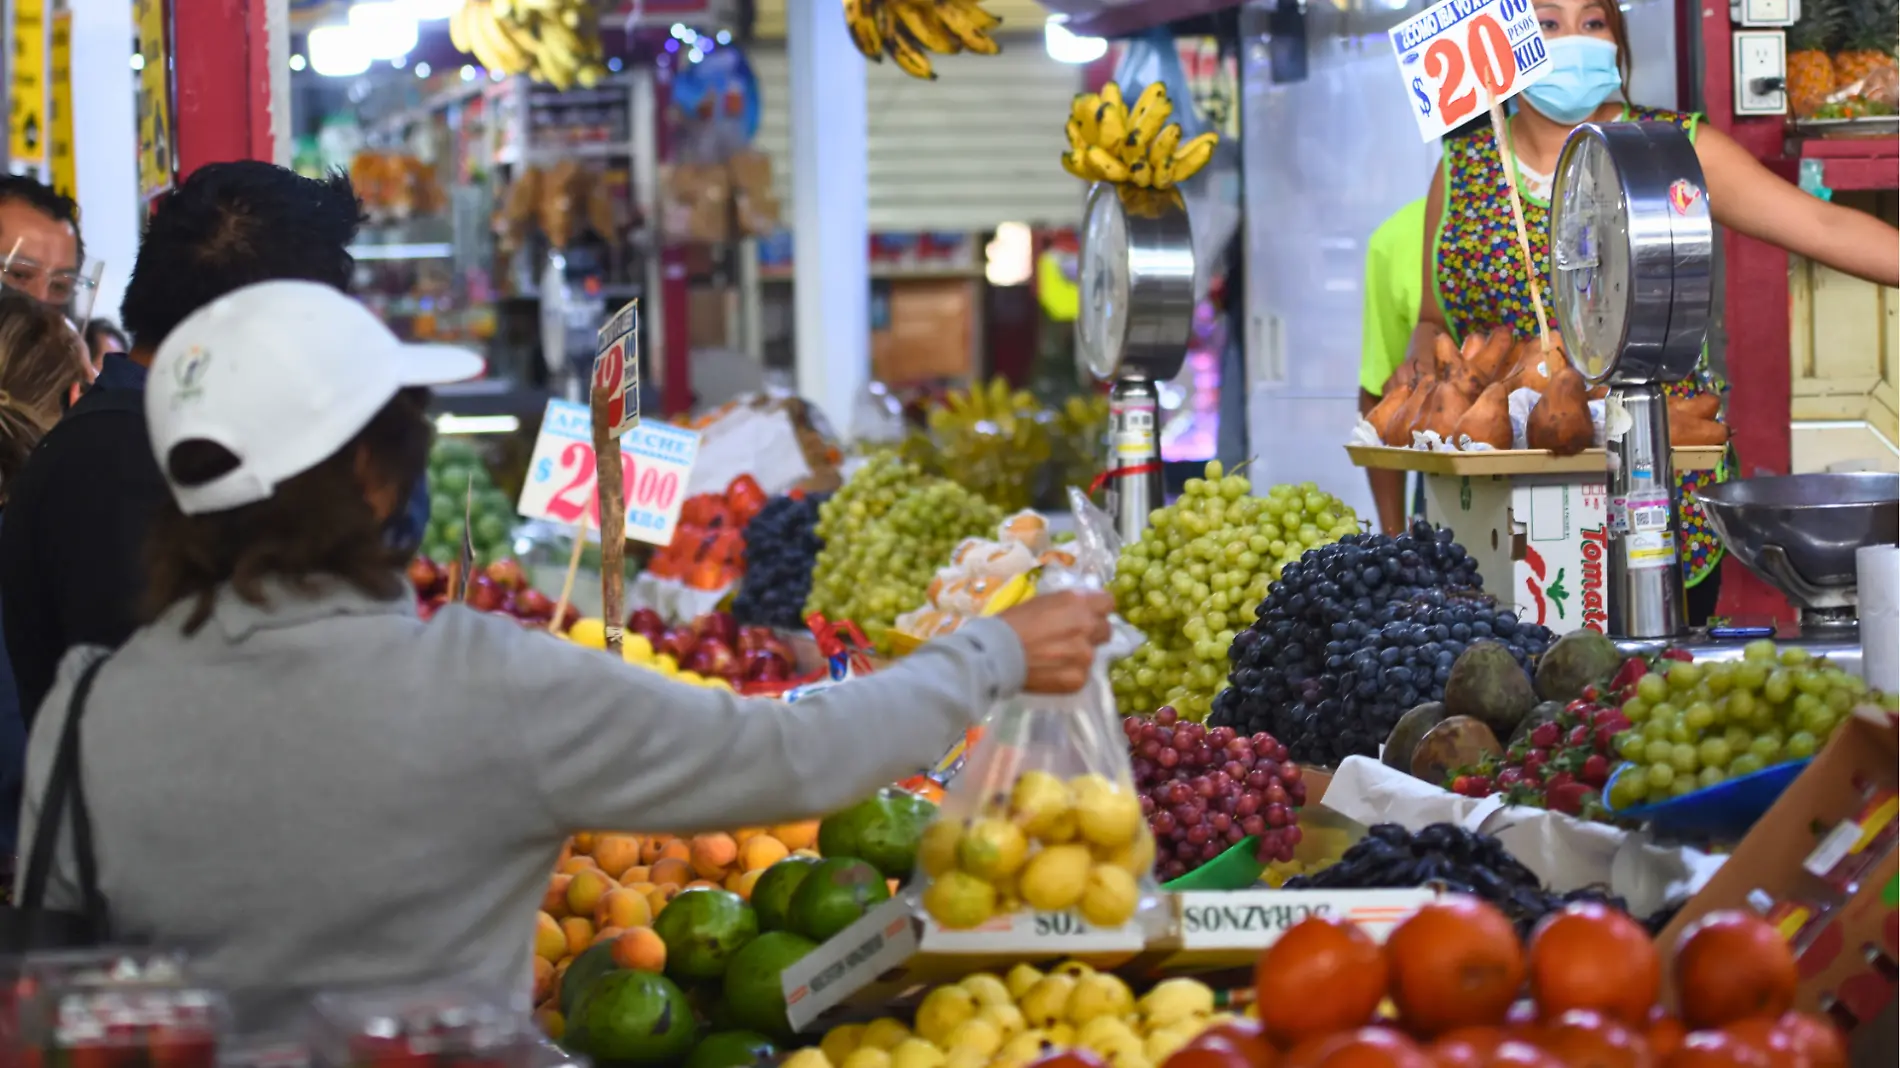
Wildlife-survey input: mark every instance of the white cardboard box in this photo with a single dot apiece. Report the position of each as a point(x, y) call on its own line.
point(1541, 541)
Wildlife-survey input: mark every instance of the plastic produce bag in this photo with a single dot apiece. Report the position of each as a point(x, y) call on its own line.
point(1045, 815)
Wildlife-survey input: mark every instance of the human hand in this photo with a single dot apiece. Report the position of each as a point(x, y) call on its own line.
point(1059, 633)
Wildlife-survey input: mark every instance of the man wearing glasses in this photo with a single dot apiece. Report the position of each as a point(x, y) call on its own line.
point(43, 254)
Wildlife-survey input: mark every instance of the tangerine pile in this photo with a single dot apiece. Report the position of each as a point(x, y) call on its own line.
point(1453, 987)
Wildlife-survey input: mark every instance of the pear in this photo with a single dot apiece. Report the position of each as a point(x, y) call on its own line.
point(1488, 420)
point(1398, 432)
point(1491, 361)
point(1560, 421)
point(1394, 399)
point(1448, 405)
point(1689, 431)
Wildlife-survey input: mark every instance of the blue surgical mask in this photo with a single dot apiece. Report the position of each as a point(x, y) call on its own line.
point(1582, 76)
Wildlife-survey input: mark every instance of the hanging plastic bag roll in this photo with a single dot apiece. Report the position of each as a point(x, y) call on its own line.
point(1877, 583)
point(1045, 815)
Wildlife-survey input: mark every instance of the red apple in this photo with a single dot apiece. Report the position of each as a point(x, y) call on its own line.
point(430, 606)
point(425, 576)
point(752, 639)
point(485, 595)
point(719, 625)
point(569, 618)
point(533, 604)
point(762, 666)
point(677, 644)
point(716, 658)
point(647, 623)
point(507, 573)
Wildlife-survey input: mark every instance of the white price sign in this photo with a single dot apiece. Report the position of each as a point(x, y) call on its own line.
point(617, 368)
point(656, 464)
point(1457, 58)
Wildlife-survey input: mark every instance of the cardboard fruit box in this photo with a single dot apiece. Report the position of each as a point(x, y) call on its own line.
point(1821, 866)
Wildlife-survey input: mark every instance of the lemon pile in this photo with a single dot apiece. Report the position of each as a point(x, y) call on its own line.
point(636, 650)
point(1050, 845)
point(987, 1022)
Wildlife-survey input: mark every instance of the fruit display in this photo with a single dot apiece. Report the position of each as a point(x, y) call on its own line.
point(463, 497)
point(1841, 59)
point(1451, 858)
point(1111, 140)
point(781, 547)
point(1357, 633)
point(1693, 725)
point(552, 41)
point(1204, 791)
point(1191, 581)
point(909, 30)
point(990, 440)
point(1011, 1021)
point(713, 649)
point(885, 533)
point(1046, 843)
point(135, 1008)
point(708, 547)
point(985, 577)
point(501, 587)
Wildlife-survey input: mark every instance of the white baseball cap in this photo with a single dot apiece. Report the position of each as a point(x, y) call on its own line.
point(282, 374)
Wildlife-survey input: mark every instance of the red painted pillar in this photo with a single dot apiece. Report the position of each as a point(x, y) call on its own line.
point(1755, 315)
point(221, 78)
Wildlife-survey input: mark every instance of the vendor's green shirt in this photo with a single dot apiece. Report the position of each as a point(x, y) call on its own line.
point(1395, 264)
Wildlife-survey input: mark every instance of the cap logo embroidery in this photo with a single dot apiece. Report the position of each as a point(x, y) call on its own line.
point(190, 372)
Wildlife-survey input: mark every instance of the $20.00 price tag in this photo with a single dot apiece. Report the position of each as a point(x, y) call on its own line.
point(1457, 58)
point(656, 463)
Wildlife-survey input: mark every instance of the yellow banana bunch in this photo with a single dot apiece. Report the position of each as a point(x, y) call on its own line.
point(1112, 141)
point(910, 30)
point(552, 41)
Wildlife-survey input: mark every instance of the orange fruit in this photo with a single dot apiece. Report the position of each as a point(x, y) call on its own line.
point(797, 836)
point(1583, 1038)
point(554, 902)
point(761, 852)
point(574, 865)
point(671, 871)
point(583, 842)
point(639, 873)
point(585, 890)
point(621, 907)
point(712, 854)
point(1456, 962)
point(1323, 975)
point(579, 932)
point(641, 950)
point(1731, 965)
point(550, 942)
point(1591, 956)
point(1715, 1049)
point(543, 979)
point(1816, 1038)
point(615, 853)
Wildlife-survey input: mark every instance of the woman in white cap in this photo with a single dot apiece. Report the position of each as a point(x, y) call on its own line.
point(293, 777)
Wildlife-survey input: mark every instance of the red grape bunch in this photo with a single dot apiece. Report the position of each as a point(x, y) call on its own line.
point(1206, 789)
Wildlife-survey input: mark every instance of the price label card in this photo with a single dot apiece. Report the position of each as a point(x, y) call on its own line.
point(1458, 57)
point(656, 463)
point(1052, 932)
point(617, 368)
point(1255, 919)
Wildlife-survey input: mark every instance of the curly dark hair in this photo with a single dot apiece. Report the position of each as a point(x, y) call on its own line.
point(43, 198)
point(316, 525)
point(231, 225)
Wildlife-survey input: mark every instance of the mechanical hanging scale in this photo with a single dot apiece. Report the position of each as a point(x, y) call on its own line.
point(1136, 315)
point(1632, 256)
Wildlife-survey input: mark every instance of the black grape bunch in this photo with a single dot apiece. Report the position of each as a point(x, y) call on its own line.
point(781, 544)
point(1357, 633)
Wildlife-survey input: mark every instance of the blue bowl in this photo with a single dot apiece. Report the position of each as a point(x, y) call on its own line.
point(1723, 812)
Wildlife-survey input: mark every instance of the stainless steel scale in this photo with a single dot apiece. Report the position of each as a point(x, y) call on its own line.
point(1135, 318)
point(1632, 250)
point(1631, 245)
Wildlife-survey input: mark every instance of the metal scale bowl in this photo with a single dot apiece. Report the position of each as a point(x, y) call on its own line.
point(1631, 251)
point(1135, 318)
point(1800, 534)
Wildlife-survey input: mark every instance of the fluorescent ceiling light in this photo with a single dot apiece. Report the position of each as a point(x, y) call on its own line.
point(425, 10)
point(337, 52)
point(1066, 47)
point(387, 28)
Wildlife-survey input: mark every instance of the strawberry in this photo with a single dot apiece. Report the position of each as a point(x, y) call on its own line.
point(1579, 707)
point(1545, 735)
point(1595, 770)
point(1534, 763)
point(1567, 798)
point(1606, 738)
point(1678, 654)
point(1579, 736)
point(1558, 779)
point(1624, 684)
point(1593, 693)
point(1510, 777)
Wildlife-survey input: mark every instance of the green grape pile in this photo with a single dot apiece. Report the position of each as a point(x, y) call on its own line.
point(1192, 582)
point(1698, 724)
point(885, 535)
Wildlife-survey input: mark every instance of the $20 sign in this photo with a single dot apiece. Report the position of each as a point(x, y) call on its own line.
point(656, 463)
point(1457, 58)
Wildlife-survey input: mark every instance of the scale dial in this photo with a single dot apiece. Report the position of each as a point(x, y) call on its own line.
point(1631, 252)
point(1135, 282)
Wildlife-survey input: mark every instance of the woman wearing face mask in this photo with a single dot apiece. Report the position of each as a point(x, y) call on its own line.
point(1474, 271)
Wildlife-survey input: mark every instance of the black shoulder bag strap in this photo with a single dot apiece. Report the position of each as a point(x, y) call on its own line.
point(63, 785)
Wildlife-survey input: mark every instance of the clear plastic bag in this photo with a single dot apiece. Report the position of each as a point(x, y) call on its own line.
point(1045, 816)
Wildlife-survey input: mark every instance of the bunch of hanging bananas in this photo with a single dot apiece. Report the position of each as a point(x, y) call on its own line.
point(1112, 142)
point(552, 41)
point(909, 30)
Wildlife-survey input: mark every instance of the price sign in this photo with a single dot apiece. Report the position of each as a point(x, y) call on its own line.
point(1457, 58)
point(656, 463)
point(617, 368)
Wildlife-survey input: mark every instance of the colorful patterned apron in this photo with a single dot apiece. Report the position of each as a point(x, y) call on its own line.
point(1480, 283)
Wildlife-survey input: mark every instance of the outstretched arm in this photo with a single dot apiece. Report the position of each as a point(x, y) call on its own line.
point(1749, 198)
